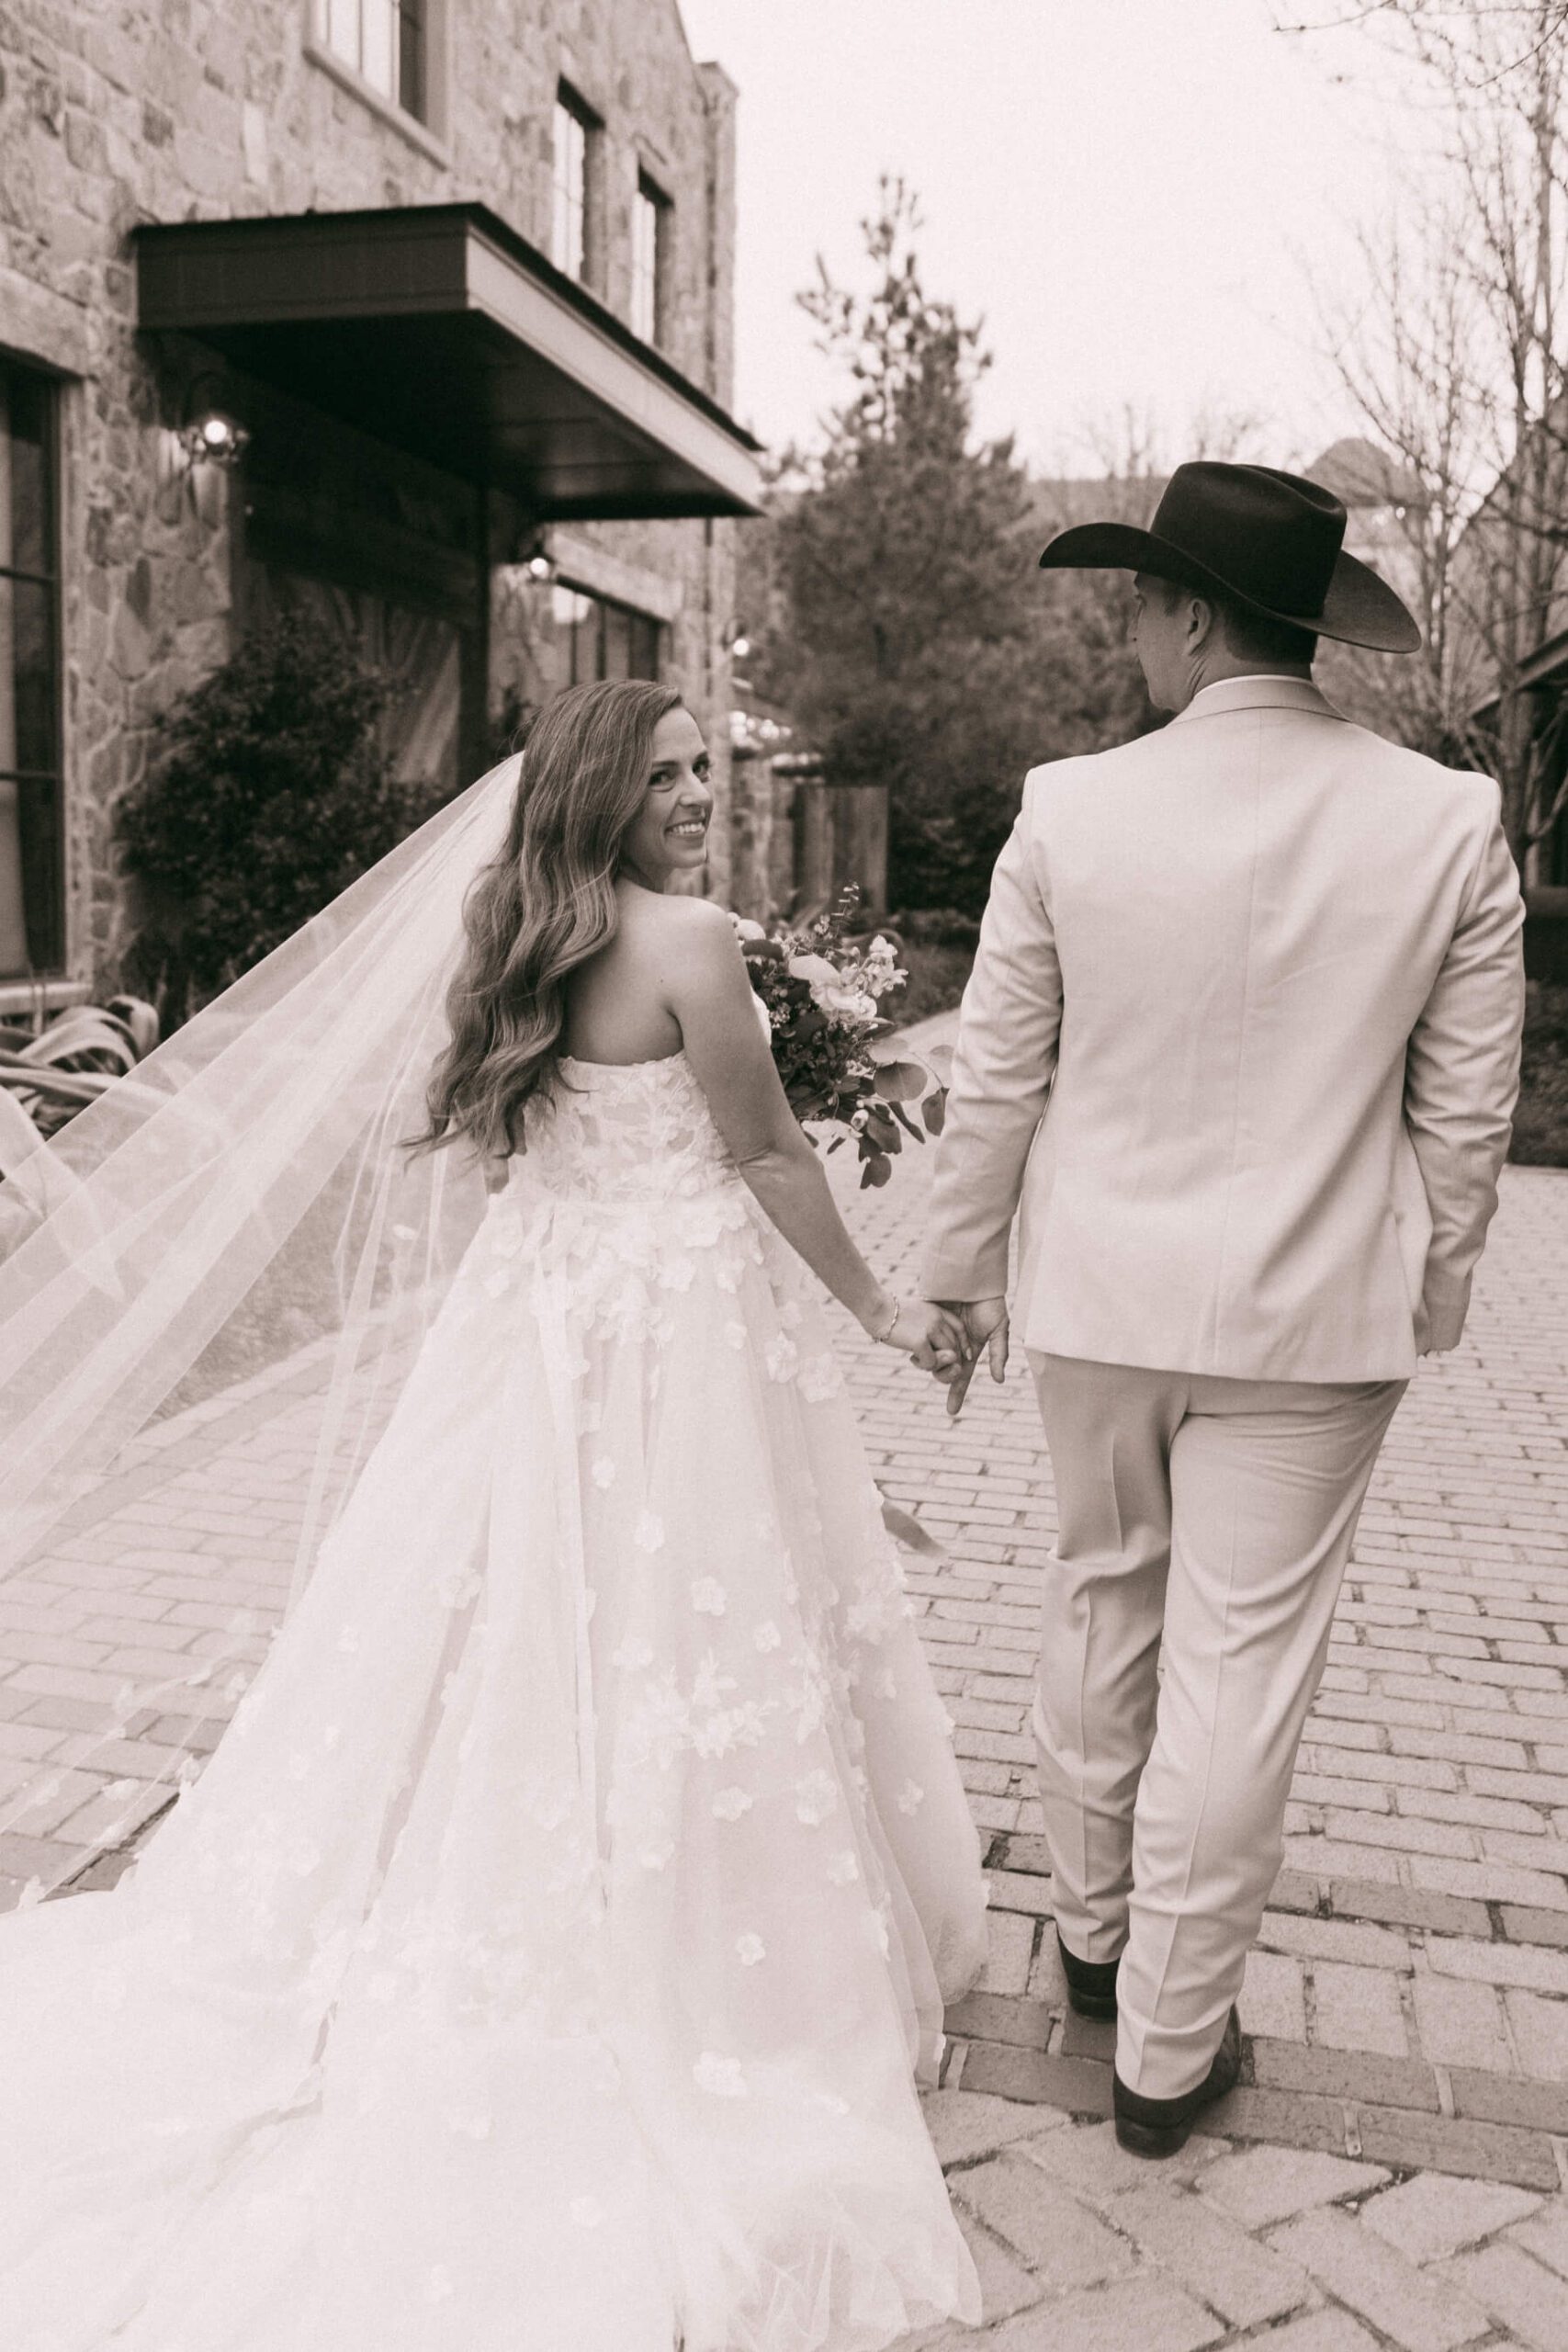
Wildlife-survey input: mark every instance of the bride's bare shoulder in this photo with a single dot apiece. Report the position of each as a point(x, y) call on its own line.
point(677, 910)
point(678, 924)
point(693, 946)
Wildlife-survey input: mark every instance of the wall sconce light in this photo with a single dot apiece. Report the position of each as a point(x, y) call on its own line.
point(536, 558)
point(741, 647)
point(211, 435)
point(215, 439)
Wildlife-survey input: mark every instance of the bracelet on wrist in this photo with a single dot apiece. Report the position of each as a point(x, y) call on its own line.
point(885, 1334)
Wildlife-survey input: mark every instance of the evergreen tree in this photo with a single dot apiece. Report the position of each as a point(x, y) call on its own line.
point(911, 645)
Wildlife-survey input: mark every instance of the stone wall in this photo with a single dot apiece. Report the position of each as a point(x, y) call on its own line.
point(121, 111)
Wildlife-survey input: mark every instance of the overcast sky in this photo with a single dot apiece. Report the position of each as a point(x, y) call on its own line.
point(1136, 195)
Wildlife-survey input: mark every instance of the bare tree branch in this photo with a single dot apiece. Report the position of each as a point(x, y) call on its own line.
point(1456, 359)
point(1425, 19)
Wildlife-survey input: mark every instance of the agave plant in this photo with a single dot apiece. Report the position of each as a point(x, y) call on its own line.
point(47, 1077)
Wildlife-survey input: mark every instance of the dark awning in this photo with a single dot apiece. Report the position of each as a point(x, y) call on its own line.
point(436, 328)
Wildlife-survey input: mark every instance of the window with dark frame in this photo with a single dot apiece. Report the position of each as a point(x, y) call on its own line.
point(650, 259)
point(574, 135)
point(32, 897)
point(386, 42)
point(598, 638)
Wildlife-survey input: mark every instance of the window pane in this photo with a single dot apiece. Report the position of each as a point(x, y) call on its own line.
point(410, 58)
point(30, 863)
point(645, 256)
point(43, 895)
point(27, 676)
point(7, 672)
point(13, 921)
point(650, 259)
point(645, 647)
point(341, 27)
point(587, 643)
point(560, 232)
point(617, 642)
point(24, 502)
point(377, 50)
point(570, 191)
point(30, 825)
point(589, 637)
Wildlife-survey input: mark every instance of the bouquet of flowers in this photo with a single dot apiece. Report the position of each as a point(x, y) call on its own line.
point(823, 991)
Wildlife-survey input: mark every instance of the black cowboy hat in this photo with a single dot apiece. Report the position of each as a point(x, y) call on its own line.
point(1274, 541)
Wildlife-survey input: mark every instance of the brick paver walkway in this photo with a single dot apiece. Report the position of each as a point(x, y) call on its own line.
point(1390, 2172)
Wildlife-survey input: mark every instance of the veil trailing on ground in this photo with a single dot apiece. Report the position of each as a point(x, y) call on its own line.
point(235, 1229)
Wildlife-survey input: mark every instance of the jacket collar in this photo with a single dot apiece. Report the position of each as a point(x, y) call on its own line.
point(1257, 694)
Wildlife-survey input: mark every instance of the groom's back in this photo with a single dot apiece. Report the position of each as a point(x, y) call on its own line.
point(1249, 910)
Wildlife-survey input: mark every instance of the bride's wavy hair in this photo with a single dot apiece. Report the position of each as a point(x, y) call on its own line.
point(542, 907)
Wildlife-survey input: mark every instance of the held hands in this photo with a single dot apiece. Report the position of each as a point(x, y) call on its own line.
point(945, 1338)
point(983, 1325)
point(932, 1337)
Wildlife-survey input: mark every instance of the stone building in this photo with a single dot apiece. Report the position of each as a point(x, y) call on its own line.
point(414, 315)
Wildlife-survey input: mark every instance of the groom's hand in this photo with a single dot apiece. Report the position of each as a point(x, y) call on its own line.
point(985, 1322)
point(945, 1349)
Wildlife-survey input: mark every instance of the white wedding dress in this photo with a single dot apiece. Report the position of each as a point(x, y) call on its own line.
point(546, 1959)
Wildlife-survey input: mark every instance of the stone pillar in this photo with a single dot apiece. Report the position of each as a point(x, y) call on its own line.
point(719, 97)
point(752, 833)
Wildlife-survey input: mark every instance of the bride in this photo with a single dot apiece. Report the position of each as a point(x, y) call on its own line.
point(546, 1959)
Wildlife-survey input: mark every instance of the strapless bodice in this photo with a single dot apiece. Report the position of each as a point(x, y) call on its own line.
point(632, 1132)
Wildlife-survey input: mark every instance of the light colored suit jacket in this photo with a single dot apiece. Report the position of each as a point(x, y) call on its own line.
point(1243, 1037)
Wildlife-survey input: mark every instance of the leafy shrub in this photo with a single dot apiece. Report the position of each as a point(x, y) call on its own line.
point(938, 977)
point(275, 794)
point(937, 927)
point(50, 1072)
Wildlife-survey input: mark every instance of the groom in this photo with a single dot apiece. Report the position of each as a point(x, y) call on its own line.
point(1242, 1044)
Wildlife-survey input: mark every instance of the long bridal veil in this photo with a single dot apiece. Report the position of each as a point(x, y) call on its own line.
point(234, 1227)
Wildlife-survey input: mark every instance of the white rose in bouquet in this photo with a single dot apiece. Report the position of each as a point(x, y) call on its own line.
point(833, 991)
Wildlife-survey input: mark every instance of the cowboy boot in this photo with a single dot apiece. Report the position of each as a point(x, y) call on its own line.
point(1159, 2127)
point(1091, 1983)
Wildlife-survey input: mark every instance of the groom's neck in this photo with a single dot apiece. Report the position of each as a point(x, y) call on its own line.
point(1221, 663)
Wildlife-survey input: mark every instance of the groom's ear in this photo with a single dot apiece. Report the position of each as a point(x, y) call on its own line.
point(1203, 617)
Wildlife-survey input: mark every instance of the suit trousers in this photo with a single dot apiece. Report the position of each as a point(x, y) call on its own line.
point(1204, 1528)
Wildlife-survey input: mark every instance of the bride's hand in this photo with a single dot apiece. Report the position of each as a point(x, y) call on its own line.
point(933, 1339)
